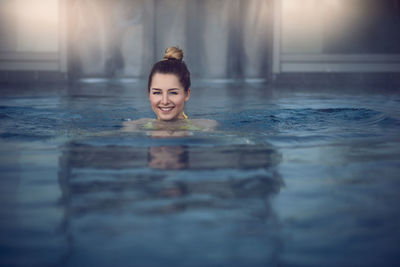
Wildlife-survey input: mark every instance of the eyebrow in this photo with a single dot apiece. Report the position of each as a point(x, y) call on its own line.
point(170, 89)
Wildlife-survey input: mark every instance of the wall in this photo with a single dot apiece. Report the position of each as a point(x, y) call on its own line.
point(337, 36)
point(221, 38)
point(31, 36)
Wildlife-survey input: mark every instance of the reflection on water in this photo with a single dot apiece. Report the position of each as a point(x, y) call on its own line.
point(193, 204)
point(168, 157)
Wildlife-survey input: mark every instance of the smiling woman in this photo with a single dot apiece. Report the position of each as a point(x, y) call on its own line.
point(169, 90)
point(168, 97)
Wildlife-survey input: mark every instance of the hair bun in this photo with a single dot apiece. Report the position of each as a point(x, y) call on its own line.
point(173, 52)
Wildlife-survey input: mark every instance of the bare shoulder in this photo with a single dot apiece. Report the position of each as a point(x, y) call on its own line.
point(205, 124)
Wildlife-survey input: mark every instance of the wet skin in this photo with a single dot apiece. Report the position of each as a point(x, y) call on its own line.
point(168, 97)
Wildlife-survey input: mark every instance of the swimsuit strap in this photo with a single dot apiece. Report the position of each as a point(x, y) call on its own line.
point(184, 115)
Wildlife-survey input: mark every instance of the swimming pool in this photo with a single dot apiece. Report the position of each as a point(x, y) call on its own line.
point(292, 177)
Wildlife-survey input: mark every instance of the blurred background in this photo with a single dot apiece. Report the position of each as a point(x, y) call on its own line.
point(222, 39)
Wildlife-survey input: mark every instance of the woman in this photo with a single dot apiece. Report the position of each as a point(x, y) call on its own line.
point(169, 90)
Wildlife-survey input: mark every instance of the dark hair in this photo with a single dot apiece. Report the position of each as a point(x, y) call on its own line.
point(172, 63)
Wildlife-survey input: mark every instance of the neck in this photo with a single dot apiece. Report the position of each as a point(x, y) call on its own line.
point(181, 116)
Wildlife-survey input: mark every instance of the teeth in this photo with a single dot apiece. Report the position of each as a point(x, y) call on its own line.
point(166, 109)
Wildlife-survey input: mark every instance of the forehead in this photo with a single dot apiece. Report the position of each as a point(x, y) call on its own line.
point(165, 81)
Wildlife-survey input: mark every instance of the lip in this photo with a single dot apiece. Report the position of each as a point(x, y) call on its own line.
point(166, 110)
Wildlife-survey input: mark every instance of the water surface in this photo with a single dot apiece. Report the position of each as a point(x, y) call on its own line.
point(293, 177)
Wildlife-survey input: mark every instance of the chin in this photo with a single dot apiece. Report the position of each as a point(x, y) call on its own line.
point(167, 118)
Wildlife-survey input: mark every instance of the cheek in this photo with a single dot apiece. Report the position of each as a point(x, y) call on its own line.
point(180, 101)
point(153, 100)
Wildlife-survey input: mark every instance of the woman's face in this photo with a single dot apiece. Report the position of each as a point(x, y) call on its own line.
point(167, 96)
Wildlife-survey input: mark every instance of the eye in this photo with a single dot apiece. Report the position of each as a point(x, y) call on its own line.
point(173, 93)
point(156, 93)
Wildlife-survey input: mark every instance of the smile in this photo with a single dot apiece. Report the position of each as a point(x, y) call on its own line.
point(165, 109)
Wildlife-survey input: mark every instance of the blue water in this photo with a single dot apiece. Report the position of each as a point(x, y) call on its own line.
point(291, 177)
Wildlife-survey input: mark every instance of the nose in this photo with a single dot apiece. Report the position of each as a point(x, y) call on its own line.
point(164, 99)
